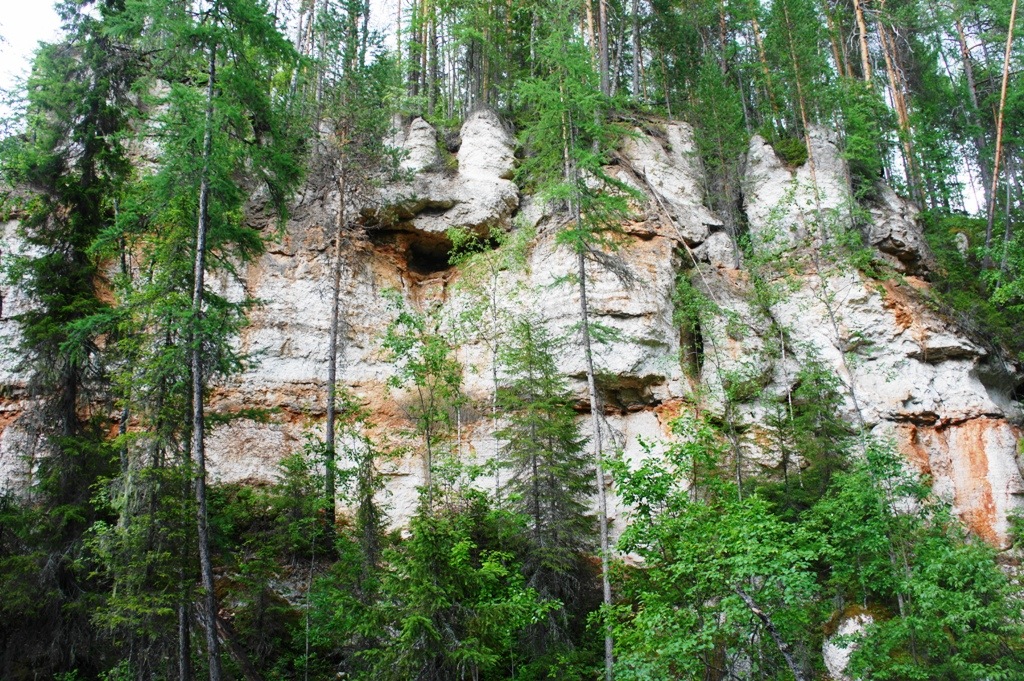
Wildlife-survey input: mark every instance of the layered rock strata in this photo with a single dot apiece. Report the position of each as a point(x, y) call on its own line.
point(906, 373)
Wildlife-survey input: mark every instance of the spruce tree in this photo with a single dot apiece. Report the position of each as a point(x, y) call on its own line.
point(61, 177)
point(566, 141)
point(214, 113)
point(550, 476)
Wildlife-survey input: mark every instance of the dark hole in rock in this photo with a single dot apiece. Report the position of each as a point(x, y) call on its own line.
point(1018, 393)
point(627, 393)
point(424, 254)
point(428, 256)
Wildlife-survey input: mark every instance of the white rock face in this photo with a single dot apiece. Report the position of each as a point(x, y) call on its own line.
point(668, 171)
point(420, 144)
point(789, 208)
point(837, 654)
point(907, 373)
point(488, 149)
point(478, 196)
point(20, 441)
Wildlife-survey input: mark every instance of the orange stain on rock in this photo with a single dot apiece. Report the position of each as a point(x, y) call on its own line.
point(958, 454)
point(912, 448)
point(973, 494)
point(896, 301)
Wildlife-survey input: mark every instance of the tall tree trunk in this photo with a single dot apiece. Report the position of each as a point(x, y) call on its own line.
point(862, 33)
point(637, 47)
point(572, 174)
point(972, 93)
point(595, 424)
point(899, 103)
point(198, 385)
point(603, 46)
point(432, 61)
point(184, 643)
point(1008, 229)
point(833, 39)
point(765, 71)
point(332, 348)
point(999, 139)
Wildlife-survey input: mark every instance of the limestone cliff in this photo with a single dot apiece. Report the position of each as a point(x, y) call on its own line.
point(906, 372)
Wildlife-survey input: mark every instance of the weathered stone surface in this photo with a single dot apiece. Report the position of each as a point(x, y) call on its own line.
point(903, 368)
point(973, 465)
point(20, 444)
point(788, 207)
point(419, 142)
point(837, 652)
point(668, 172)
point(478, 196)
point(893, 230)
point(488, 149)
point(906, 373)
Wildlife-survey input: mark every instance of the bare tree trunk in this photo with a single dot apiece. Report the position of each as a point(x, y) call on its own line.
point(999, 139)
point(595, 424)
point(637, 46)
point(432, 61)
point(603, 46)
point(862, 32)
point(591, 31)
point(332, 351)
point(773, 631)
point(900, 104)
point(572, 174)
point(972, 92)
point(198, 385)
point(832, 39)
point(765, 71)
point(1008, 229)
point(184, 643)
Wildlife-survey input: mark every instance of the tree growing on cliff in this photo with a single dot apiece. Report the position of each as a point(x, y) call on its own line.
point(428, 369)
point(550, 478)
point(214, 115)
point(724, 582)
point(567, 140)
point(354, 108)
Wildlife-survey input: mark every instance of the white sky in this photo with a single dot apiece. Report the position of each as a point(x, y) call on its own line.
point(23, 23)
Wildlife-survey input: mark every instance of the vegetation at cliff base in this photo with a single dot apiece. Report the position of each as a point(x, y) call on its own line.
point(158, 152)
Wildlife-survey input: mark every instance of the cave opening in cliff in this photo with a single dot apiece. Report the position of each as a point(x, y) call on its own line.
point(427, 257)
point(422, 253)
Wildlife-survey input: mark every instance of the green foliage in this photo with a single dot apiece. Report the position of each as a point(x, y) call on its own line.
point(791, 150)
point(549, 482)
point(454, 597)
point(567, 136)
point(425, 366)
point(887, 542)
point(866, 146)
point(811, 437)
point(716, 110)
point(959, 289)
point(704, 548)
point(877, 541)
